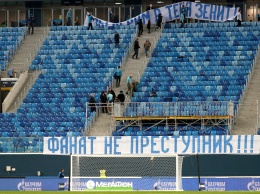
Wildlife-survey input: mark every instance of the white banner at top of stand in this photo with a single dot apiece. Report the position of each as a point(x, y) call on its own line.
point(172, 12)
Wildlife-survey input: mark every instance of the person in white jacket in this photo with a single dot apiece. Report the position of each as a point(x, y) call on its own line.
point(239, 18)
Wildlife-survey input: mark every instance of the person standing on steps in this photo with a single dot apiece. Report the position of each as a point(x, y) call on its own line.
point(136, 49)
point(92, 103)
point(149, 26)
point(140, 27)
point(147, 46)
point(30, 23)
point(116, 37)
point(129, 83)
point(103, 100)
point(159, 21)
point(118, 75)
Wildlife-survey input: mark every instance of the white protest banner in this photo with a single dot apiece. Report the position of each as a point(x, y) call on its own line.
point(162, 145)
point(199, 11)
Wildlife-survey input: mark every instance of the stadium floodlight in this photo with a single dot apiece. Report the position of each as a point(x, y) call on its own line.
point(125, 172)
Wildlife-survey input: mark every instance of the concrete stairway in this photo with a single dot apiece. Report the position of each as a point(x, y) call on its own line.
point(28, 50)
point(246, 122)
point(22, 60)
point(102, 126)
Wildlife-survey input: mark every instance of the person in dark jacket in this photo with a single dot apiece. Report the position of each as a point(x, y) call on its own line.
point(103, 100)
point(30, 23)
point(116, 37)
point(61, 173)
point(136, 48)
point(92, 103)
point(159, 21)
point(149, 26)
point(140, 27)
point(121, 97)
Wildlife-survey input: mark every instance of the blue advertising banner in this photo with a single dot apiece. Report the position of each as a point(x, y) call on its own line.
point(32, 184)
point(172, 12)
point(138, 183)
point(166, 183)
point(152, 145)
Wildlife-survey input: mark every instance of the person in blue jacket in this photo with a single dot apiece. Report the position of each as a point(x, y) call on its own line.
point(118, 74)
point(90, 20)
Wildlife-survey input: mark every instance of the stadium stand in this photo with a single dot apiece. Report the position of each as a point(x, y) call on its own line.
point(195, 71)
point(10, 40)
point(74, 62)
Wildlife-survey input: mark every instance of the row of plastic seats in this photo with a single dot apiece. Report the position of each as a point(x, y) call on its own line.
point(210, 34)
point(186, 43)
point(167, 82)
point(175, 65)
point(41, 134)
point(217, 55)
point(197, 58)
point(72, 53)
point(190, 52)
point(190, 88)
point(99, 48)
point(186, 99)
point(169, 46)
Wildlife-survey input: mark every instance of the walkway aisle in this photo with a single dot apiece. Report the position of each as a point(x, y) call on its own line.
point(132, 66)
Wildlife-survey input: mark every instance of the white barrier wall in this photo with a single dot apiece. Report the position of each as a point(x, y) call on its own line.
point(14, 91)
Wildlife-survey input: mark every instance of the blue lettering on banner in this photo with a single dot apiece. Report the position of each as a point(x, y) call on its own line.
point(205, 15)
point(168, 7)
point(245, 144)
point(252, 144)
point(238, 143)
point(227, 144)
point(175, 143)
point(144, 143)
point(213, 11)
point(220, 14)
point(195, 144)
point(156, 13)
point(200, 7)
point(146, 17)
point(186, 142)
point(189, 9)
point(82, 145)
point(217, 144)
point(153, 145)
point(92, 144)
point(163, 139)
point(116, 145)
point(53, 144)
point(176, 11)
point(64, 145)
point(134, 144)
point(73, 144)
point(206, 144)
point(108, 145)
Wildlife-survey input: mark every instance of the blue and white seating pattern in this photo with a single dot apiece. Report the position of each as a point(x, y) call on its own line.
point(10, 40)
point(201, 62)
point(71, 69)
